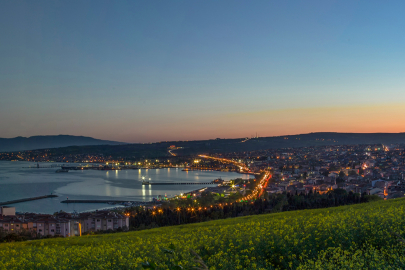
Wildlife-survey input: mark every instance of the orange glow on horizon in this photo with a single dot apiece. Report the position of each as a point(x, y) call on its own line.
point(374, 118)
point(385, 118)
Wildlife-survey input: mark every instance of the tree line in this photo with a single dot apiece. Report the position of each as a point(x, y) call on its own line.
point(199, 210)
point(141, 218)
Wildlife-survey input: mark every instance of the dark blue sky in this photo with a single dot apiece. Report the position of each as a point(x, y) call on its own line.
point(142, 71)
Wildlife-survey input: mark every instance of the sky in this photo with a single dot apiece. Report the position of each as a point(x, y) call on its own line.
point(146, 71)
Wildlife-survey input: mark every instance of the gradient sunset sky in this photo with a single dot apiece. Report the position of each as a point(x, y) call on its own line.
point(145, 71)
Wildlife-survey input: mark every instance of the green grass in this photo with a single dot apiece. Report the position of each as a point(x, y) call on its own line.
point(348, 237)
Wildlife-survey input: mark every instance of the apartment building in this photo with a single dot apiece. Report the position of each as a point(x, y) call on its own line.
point(62, 224)
point(7, 211)
point(102, 220)
point(11, 224)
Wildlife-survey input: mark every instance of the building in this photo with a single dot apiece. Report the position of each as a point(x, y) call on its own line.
point(61, 224)
point(11, 224)
point(49, 226)
point(101, 221)
point(7, 211)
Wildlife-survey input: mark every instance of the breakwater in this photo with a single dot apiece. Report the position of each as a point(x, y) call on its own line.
point(28, 199)
point(194, 183)
point(104, 201)
point(42, 167)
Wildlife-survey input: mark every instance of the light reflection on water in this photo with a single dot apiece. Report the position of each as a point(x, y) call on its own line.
point(108, 190)
point(17, 183)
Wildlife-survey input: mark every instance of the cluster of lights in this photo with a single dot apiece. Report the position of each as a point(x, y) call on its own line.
point(157, 211)
point(178, 209)
point(258, 191)
point(242, 166)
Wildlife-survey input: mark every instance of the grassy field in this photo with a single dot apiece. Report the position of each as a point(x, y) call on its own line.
point(361, 236)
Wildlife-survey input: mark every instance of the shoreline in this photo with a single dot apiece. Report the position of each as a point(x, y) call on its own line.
point(114, 183)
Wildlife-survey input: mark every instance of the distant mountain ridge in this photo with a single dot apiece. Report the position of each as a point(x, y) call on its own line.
point(49, 141)
point(80, 144)
point(287, 141)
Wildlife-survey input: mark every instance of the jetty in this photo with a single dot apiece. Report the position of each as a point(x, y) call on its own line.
point(42, 167)
point(103, 201)
point(28, 199)
point(168, 183)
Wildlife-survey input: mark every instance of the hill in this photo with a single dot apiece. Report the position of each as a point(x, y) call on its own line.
point(160, 149)
point(42, 142)
point(289, 141)
point(362, 236)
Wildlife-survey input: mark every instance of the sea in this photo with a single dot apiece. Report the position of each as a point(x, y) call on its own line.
point(19, 180)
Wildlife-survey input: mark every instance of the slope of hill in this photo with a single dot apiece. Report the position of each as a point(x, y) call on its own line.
point(288, 141)
point(362, 236)
point(41, 142)
point(159, 149)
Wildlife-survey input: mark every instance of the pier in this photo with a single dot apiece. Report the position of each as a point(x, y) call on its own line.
point(103, 201)
point(42, 167)
point(28, 199)
point(188, 169)
point(194, 183)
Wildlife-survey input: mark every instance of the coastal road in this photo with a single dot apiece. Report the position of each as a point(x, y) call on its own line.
point(261, 185)
point(242, 166)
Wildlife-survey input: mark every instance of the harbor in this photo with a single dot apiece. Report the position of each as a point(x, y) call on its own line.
point(95, 188)
point(42, 167)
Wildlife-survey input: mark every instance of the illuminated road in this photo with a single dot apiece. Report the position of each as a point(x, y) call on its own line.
point(242, 166)
point(171, 153)
point(261, 185)
point(256, 192)
point(259, 189)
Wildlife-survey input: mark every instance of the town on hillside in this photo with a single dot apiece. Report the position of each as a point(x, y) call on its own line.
point(370, 169)
point(365, 171)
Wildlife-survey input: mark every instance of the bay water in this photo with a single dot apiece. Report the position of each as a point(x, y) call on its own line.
point(18, 182)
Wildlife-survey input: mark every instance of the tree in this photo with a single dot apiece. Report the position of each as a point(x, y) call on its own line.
point(333, 168)
point(339, 180)
point(207, 198)
point(339, 192)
